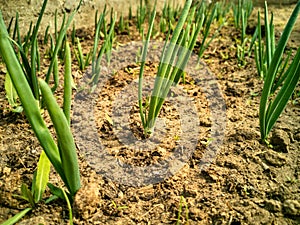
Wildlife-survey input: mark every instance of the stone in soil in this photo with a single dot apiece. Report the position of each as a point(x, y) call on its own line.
point(280, 140)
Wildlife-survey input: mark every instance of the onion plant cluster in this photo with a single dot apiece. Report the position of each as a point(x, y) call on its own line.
point(195, 19)
point(278, 86)
point(177, 53)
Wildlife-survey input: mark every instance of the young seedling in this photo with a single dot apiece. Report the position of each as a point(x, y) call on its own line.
point(222, 10)
point(121, 24)
point(180, 210)
point(82, 61)
point(263, 55)
point(163, 25)
point(109, 38)
point(46, 35)
point(60, 37)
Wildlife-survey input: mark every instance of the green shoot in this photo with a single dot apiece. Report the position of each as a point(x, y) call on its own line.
point(55, 74)
point(242, 5)
point(10, 25)
point(98, 25)
point(38, 186)
point(163, 25)
point(242, 11)
point(109, 38)
point(46, 35)
point(144, 54)
point(259, 49)
point(210, 16)
point(69, 207)
point(59, 40)
point(182, 202)
point(241, 53)
point(27, 39)
point(27, 195)
point(16, 33)
point(82, 61)
point(121, 27)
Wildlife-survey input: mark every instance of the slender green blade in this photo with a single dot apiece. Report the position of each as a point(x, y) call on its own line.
point(207, 26)
point(144, 55)
point(42, 177)
point(16, 217)
point(27, 194)
point(283, 73)
point(67, 148)
point(98, 25)
point(10, 90)
point(56, 191)
point(286, 91)
point(268, 36)
point(69, 207)
point(67, 83)
point(33, 75)
point(96, 66)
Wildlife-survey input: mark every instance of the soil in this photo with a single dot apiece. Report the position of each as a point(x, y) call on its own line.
point(247, 182)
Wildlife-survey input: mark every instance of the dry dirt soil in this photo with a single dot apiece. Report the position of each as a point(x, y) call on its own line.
point(246, 182)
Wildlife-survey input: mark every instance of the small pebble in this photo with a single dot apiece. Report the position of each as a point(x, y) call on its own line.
point(273, 205)
point(280, 140)
point(274, 158)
